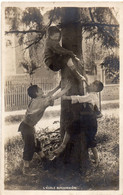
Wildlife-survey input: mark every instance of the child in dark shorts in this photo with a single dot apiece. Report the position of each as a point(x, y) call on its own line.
point(86, 122)
point(56, 57)
point(34, 113)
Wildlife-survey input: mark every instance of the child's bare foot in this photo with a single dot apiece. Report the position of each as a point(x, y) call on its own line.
point(28, 172)
point(97, 163)
point(55, 154)
point(41, 154)
point(52, 157)
point(99, 115)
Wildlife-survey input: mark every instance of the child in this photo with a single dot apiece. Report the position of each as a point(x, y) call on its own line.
point(97, 111)
point(55, 56)
point(87, 121)
point(34, 113)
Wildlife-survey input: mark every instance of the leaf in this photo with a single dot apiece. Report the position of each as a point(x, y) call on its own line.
point(32, 16)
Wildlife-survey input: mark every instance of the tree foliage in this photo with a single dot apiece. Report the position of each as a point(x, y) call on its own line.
point(111, 65)
point(32, 18)
point(13, 17)
point(99, 21)
point(30, 25)
point(104, 25)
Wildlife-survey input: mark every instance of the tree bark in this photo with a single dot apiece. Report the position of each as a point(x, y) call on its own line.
point(76, 152)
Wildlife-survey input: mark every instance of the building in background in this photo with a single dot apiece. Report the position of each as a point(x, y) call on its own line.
point(17, 81)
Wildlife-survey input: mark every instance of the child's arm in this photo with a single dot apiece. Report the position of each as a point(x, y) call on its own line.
point(60, 50)
point(54, 90)
point(61, 93)
point(78, 99)
point(82, 67)
point(66, 97)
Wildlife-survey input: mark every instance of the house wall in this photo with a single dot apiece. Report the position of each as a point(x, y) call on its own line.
point(9, 55)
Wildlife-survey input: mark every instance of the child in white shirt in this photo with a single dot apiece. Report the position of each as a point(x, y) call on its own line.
point(87, 121)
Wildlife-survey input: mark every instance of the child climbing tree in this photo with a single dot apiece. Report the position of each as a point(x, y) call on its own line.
point(72, 21)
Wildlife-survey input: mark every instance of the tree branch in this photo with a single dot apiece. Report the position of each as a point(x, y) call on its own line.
point(23, 32)
point(83, 24)
point(43, 31)
point(36, 41)
point(100, 25)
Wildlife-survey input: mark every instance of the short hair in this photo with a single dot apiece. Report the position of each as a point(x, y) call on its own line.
point(32, 90)
point(53, 29)
point(99, 85)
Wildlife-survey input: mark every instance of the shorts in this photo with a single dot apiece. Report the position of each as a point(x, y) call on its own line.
point(57, 62)
point(89, 125)
point(86, 122)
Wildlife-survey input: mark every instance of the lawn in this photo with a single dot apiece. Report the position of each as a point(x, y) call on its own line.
point(103, 177)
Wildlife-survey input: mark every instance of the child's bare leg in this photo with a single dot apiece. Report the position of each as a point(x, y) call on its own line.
point(63, 145)
point(41, 154)
point(26, 163)
point(95, 153)
point(61, 148)
point(71, 65)
point(26, 169)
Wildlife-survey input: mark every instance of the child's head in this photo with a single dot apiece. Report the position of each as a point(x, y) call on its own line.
point(34, 91)
point(54, 33)
point(96, 86)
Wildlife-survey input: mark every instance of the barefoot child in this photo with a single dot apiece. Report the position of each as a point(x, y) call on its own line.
point(38, 103)
point(87, 121)
point(56, 57)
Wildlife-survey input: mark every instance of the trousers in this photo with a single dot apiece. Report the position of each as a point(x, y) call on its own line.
point(28, 136)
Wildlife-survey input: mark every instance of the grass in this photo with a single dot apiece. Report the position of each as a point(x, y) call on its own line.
point(110, 106)
point(104, 177)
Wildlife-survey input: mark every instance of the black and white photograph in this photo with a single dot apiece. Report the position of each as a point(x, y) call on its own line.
point(61, 97)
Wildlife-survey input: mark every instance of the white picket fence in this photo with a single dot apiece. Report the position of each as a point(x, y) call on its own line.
point(16, 98)
point(15, 92)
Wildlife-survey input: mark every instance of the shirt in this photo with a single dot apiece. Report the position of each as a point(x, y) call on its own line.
point(53, 47)
point(91, 98)
point(36, 110)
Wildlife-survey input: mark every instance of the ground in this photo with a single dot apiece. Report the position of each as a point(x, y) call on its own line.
point(58, 175)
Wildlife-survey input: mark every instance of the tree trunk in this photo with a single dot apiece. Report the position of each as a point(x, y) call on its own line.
point(76, 151)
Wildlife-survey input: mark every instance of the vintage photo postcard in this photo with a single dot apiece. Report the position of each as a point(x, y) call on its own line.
point(61, 98)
